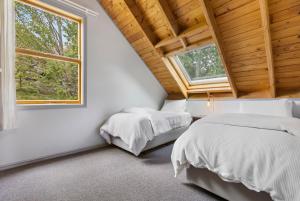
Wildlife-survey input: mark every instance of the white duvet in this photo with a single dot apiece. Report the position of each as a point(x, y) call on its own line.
point(137, 126)
point(262, 152)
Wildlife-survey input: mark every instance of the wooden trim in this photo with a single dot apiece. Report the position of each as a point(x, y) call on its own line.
point(184, 43)
point(210, 90)
point(42, 102)
point(175, 76)
point(179, 72)
point(210, 85)
point(264, 9)
point(211, 21)
point(34, 53)
point(217, 96)
point(51, 9)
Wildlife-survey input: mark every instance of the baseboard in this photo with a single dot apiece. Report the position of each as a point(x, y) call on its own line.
point(28, 162)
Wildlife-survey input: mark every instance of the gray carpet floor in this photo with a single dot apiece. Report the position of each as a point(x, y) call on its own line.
point(107, 174)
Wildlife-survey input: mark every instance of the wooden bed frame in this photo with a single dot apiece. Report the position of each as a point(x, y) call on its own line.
point(230, 191)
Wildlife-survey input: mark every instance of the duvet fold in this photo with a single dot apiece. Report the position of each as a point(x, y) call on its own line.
point(133, 129)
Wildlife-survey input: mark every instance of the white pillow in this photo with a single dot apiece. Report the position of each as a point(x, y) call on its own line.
point(282, 108)
point(174, 106)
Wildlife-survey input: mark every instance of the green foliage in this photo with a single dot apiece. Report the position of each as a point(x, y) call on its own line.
point(202, 63)
point(45, 79)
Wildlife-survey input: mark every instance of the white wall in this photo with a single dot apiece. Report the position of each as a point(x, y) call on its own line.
point(116, 78)
point(200, 108)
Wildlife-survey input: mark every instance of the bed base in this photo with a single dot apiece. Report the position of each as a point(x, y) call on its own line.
point(157, 141)
point(230, 191)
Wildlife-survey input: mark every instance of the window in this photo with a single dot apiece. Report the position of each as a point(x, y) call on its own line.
point(48, 55)
point(202, 65)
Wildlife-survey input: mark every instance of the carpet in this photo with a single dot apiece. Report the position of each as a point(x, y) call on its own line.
point(107, 174)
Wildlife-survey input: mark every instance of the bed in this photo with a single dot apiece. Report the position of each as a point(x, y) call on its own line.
point(140, 129)
point(245, 156)
point(161, 139)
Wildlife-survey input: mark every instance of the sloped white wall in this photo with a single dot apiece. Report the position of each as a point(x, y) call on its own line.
point(116, 78)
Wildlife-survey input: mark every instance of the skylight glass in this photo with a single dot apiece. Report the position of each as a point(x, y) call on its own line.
point(202, 65)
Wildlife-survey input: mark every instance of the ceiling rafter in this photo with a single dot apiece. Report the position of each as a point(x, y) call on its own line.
point(188, 32)
point(170, 20)
point(264, 10)
point(211, 21)
point(168, 16)
point(152, 38)
point(244, 28)
point(141, 21)
point(198, 44)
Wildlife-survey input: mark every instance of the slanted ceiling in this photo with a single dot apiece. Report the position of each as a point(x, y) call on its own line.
point(258, 40)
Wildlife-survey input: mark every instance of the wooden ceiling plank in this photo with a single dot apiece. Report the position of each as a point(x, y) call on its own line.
point(264, 8)
point(211, 21)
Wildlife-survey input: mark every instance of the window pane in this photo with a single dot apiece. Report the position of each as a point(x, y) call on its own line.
point(201, 64)
point(45, 79)
point(45, 32)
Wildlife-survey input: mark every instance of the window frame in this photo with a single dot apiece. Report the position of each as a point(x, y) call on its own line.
point(55, 10)
point(187, 76)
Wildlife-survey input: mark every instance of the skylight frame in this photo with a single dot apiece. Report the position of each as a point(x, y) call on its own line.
point(202, 81)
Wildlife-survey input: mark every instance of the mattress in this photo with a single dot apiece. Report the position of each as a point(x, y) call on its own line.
point(157, 140)
point(230, 191)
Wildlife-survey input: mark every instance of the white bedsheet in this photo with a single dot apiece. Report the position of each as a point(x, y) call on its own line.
point(259, 151)
point(137, 126)
point(162, 121)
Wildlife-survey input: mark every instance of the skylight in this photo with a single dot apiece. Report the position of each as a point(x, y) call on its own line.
point(202, 65)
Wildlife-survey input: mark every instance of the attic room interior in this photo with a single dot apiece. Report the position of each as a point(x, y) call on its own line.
point(147, 100)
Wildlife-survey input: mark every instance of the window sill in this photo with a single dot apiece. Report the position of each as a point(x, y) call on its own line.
point(48, 106)
point(210, 81)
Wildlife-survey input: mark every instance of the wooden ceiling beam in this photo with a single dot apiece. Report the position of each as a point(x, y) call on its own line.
point(170, 20)
point(211, 21)
point(264, 10)
point(168, 16)
point(153, 39)
point(186, 33)
point(141, 21)
point(190, 47)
